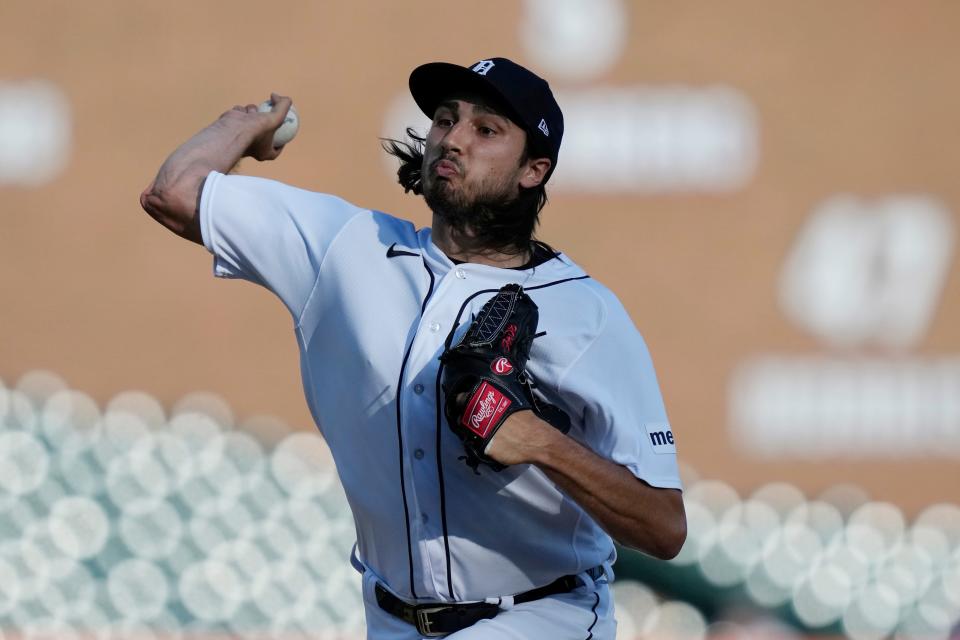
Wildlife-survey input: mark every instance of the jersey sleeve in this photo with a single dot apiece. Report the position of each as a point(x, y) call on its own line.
point(270, 233)
point(616, 389)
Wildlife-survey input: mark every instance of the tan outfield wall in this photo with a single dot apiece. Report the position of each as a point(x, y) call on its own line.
point(771, 189)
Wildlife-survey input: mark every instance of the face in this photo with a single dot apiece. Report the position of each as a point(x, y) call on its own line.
point(473, 157)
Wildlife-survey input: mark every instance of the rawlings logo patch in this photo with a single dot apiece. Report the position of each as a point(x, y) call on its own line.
point(501, 366)
point(485, 409)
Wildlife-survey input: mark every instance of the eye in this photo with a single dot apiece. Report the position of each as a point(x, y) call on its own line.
point(442, 121)
point(486, 132)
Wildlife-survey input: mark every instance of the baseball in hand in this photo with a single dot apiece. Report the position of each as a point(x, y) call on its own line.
point(291, 124)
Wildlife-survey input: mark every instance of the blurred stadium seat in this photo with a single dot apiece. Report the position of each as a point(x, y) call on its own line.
point(130, 520)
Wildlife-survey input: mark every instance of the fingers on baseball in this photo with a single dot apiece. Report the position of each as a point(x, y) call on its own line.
point(280, 103)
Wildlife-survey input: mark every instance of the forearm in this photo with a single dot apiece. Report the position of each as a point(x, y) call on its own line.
point(634, 513)
point(218, 147)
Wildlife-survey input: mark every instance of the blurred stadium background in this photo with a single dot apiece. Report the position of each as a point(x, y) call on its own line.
point(769, 187)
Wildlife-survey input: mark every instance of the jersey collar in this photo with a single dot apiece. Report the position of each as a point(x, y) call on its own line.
point(555, 269)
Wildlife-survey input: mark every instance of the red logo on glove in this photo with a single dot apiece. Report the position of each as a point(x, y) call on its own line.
point(508, 336)
point(501, 366)
point(485, 409)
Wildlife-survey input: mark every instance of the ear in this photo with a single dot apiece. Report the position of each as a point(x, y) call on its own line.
point(533, 172)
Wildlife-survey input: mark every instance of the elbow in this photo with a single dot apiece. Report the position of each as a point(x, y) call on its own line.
point(663, 542)
point(150, 201)
point(172, 210)
point(671, 542)
point(158, 203)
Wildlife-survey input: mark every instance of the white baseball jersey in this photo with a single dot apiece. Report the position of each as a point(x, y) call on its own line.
point(374, 303)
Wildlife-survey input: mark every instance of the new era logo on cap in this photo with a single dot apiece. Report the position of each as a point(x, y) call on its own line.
point(543, 127)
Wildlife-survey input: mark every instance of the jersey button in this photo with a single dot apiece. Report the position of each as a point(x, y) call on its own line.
point(418, 454)
point(461, 274)
point(434, 326)
point(424, 518)
point(418, 389)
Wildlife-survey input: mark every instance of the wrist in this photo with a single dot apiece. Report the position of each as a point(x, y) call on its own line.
point(235, 133)
point(540, 438)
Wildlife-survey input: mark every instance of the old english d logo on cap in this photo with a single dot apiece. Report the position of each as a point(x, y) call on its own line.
point(483, 67)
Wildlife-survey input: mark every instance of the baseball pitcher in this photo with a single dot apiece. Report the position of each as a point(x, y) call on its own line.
point(493, 411)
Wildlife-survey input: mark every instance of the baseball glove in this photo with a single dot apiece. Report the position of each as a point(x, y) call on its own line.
point(485, 377)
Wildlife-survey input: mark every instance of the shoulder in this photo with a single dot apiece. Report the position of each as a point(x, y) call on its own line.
point(573, 313)
point(378, 232)
point(251, 195)
point(255, 193)
point(581, 300)
point(394, 229)
point(583, 316)
point(614, 312)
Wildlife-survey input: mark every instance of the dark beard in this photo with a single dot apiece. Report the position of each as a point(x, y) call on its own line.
point(492, 221)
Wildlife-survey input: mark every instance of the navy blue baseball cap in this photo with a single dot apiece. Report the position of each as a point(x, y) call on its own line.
point(524, 96)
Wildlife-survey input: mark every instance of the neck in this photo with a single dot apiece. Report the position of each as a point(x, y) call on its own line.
point(459, 247)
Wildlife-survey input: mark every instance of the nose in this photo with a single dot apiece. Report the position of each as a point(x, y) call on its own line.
point(455, 139)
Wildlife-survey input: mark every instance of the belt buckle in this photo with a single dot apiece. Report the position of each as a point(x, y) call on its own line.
point(424, 623)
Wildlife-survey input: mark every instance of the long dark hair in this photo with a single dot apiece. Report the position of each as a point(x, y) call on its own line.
point(506, 225)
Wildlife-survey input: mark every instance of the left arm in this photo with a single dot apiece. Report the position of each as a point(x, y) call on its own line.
point(633, 512)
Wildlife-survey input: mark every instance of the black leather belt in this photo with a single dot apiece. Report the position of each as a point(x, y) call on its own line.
point(439, 619)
